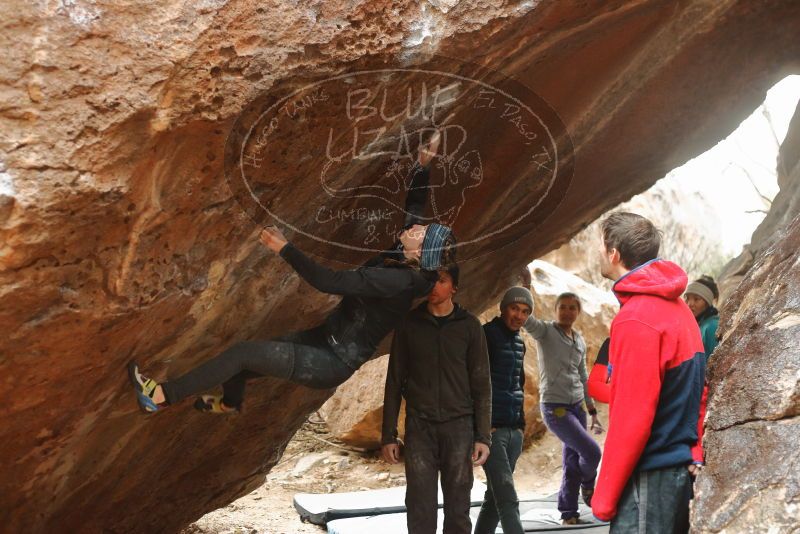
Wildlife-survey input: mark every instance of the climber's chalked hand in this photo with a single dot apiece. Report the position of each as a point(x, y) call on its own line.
point(273, 239)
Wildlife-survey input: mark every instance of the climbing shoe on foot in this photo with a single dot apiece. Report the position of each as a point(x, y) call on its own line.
point(212, 404)
point(145, 388)
point(587, 493)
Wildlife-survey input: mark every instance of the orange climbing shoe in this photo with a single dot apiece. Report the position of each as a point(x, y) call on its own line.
point(213, 404)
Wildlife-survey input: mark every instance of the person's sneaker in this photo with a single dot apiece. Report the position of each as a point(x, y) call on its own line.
point(574, 521)
point(587, 493)
point(213, 404)
point(144, 387)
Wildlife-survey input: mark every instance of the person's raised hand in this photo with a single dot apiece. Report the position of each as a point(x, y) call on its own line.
point(429, 150)
point(391, 453)
point(273, 239)
point(480, 453)
point(525, 277)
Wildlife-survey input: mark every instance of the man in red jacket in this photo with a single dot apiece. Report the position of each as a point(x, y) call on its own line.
point(657, 368)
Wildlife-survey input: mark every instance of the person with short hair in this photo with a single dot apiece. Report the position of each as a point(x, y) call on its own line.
point(700, 296)
point(506, 363)
point(563, 391)
point(439, 364)
point(657, 363)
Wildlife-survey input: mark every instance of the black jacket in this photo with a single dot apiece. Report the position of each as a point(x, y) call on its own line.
point(506, 357)
point(441, 371)
point(378, 294)
point(375, 300)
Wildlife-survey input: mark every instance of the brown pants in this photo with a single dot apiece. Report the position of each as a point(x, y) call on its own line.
point(433, 448)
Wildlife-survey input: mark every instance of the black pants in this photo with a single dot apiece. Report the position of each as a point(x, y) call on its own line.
point(432, 448)
point(500, 503)
point(304, 358)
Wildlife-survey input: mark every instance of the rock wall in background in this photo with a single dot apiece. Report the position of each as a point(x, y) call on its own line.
point(753, 421)
point(785, 207)
point(691, 234)
point(120, 238)
point(751, 481)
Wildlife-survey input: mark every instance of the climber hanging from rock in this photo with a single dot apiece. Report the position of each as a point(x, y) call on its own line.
point(375, 297)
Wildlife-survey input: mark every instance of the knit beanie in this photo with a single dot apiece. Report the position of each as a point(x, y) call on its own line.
point(517, 294)
point(702, 291)
point(433, 245)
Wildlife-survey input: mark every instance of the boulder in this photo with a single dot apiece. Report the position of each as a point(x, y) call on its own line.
point(121, 238)
point(753, 423)
point(751, 431)
point(784, 208)
point(355, 412)
point(691, 234)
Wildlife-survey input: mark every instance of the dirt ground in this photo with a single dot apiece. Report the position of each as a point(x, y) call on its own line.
point(314, 462)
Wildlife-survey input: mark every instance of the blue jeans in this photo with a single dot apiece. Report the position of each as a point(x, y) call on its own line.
point(580, 457)
point(654, 502)
point(500, 503)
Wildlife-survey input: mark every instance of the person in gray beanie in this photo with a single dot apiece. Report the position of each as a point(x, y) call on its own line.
point(517, 294)
point(506, 358)
point(700, 296)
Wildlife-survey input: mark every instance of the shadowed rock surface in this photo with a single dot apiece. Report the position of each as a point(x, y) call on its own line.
point(752, 481)
point(119, 237)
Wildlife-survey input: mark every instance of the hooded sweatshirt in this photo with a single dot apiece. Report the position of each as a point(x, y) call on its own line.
point(441, 368)
point(657, 380)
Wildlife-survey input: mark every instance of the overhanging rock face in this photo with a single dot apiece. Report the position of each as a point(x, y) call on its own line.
point(754, 414)
point(120, 238)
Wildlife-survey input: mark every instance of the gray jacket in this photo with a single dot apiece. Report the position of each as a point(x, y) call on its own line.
point(562, 363)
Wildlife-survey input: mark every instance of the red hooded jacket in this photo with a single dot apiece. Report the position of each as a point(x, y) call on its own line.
point(657, 372)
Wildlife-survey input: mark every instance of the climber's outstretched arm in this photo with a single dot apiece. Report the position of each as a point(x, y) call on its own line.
point(418, 186)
